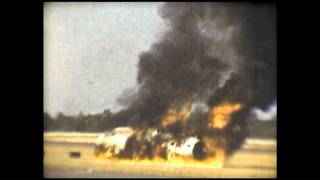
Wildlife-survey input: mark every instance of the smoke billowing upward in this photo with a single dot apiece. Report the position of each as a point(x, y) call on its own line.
point(220, 54)
point(212, 52)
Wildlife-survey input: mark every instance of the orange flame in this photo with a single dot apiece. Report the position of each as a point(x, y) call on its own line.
point(174, 116)
point(221, 114)
point(174, 161)
point(214, 147)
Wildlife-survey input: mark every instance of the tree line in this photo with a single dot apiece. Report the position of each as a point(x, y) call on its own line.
point(107, 120)
point(100, 121)
point(83, 123)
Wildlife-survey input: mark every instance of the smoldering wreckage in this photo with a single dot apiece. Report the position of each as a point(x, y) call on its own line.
point(222, 55)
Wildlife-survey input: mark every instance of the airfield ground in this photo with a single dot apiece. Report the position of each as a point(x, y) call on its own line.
point(256, 159)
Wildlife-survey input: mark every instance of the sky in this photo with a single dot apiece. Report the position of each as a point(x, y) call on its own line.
point(91, 52)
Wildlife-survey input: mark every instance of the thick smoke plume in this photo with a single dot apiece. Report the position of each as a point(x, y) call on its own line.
point(212, 53)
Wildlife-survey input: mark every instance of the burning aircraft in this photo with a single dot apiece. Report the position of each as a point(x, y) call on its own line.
point(120, 140)
point(220, 54)
point(113, 141)
point(150, 143)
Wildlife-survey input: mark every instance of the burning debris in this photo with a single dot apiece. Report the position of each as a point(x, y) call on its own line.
point(134, 143)
point(220, 54)
point(221, 115)
point(173, 117)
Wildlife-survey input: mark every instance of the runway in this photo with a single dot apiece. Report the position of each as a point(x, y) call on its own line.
point(76, 159)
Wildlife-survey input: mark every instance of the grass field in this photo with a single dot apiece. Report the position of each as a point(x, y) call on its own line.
point(257, 158)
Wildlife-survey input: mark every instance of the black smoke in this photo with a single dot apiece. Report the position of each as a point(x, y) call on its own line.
point(212, 52)
point(255, 42)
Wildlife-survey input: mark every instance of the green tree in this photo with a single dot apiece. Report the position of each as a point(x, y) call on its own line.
point(48, 121)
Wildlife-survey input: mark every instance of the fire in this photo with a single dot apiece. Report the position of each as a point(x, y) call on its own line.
point(221, 114)
point(210, 162)
point(170, 117)
point(184, 112)
point(209, 150)
point(214, 148)
point(174, 116)
point(174, 161)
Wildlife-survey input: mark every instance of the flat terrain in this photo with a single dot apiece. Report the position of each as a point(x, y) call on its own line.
point(257, 158)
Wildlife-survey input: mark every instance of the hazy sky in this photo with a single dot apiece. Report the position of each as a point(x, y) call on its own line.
point(91, 52)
